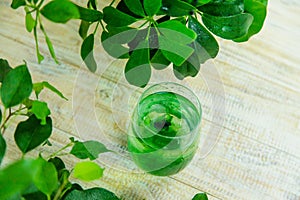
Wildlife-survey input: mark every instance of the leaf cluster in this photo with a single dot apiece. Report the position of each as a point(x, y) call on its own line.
point(171, 33)
point(153, 34)
point(43, 177)
point(58, 11)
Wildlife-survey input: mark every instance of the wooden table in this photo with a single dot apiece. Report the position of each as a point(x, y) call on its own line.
point(250, 96)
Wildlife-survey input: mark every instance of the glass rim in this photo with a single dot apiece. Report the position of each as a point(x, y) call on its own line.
point(199, 109)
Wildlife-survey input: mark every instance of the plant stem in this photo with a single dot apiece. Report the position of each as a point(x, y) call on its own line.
point(148, 33)
point(48, 197)
point(39, 56)
point(3, 126)
point(199, 12)
point(30, 4)
point(40, 4)
point(96, 28)
point(62, 154)
point(103, 28)
point(143, 24)
point(112, 3)
point(156, 28)
point(17, 111)
point(60, 190)
point(64, 191)
point(60, 150)
point(10, 114)
point(3, 117)
point(155, 25)
point(48, 39)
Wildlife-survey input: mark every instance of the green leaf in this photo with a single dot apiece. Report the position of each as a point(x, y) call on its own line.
point(190, 67)
point(114, 17)
point(174, 51)
point(30, 133)
point(223, 8)
point(183, 71)
point(16, 86)
point(50, 48)
point(34, 196)
point(152, 6)
point(29, 21)
point(27, 103)
point(92, 3)
point(152, 37)
point(182, 20)
point(17, 177)
point(264, 2)
point(33, 193)
point(230, 27)
point(188, 1)
point(83, 28)
point(177, 8)
point(114, 49)
point(159, 61)
point(38, 87)
point(202, 2)
point(257, 8)
point(87, 171)
point(73, 186)
point(88, 149)
point(31, 188)
point(121, 35)
point(91, 194)
point(123, 8)
point(48, 143)
point(17, 3)
point(153, 40)
point(62, 173)
point(4, 69)
point(176, 31)
point(2, 147)
point(137, 69)
point(89, 15)
point(87, 53)
point(60, 11)
point(58, 163)
point(135, 6)
point(140, 37)
point(72, 139)
point(40, 110)
point(53, 89)
point(205, 46)
point(40, 57)
point(46, 178)
point(49, 44)
point(200, 196)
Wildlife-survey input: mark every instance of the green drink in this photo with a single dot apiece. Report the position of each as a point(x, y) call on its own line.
point(164, 132)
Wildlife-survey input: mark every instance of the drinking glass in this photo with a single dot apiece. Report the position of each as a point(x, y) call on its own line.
point(164, 131)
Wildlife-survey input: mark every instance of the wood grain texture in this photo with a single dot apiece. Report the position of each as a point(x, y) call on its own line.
point(257, 154)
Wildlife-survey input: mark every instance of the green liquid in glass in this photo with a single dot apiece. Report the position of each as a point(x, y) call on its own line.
point(164, 133)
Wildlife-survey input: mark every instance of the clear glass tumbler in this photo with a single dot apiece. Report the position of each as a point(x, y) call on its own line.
point(164, 131)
